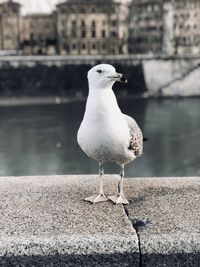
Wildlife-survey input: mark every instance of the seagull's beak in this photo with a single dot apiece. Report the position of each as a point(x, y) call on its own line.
point(118, 77)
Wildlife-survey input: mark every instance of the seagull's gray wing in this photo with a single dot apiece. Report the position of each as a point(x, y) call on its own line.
point(136, 140)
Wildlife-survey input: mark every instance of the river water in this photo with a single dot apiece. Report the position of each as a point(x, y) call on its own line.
point(41, 139)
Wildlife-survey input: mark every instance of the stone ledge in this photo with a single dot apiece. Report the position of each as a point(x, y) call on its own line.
point(166, 214)
point(45, 222)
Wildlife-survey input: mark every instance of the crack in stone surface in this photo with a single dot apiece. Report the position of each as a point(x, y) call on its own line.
point(136, 225)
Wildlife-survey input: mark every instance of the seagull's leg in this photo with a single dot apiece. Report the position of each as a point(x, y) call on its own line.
point(100, 197)
point(119, 198)
point(121, 187)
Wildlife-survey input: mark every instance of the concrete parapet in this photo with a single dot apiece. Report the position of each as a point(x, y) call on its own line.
point(45, 222)
point(166, 215)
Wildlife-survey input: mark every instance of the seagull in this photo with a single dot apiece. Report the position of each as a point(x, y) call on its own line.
point(105, 133)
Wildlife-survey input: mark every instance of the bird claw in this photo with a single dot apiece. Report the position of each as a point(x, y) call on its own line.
point(97, 198)
point(118, 199)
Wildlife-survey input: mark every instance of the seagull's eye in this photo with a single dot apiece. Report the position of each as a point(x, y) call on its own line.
point(99, 71)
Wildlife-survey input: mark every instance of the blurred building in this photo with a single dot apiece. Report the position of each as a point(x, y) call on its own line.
point(186, 26)
point(145, 26)
point(164, 26)
point(9, 26)
point(38, 34)
point(168, 27)
point(92, 27)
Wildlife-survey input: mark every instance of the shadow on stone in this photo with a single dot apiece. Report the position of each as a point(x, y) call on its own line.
point(140, 224)
point(171, 260)
point(57, 260)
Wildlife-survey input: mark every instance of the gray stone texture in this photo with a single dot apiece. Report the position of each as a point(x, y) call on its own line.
point(166, 214)
point(45, 222)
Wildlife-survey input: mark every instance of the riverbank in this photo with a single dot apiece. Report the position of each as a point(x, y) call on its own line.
point(46, 100)
point(160, 76)
point(57, 100)
point(44, 221)
point(66, 75)
point(64, 80)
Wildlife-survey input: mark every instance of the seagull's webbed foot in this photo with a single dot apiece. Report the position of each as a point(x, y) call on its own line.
point(97, 198)
point(119, 199)
point(100, 197)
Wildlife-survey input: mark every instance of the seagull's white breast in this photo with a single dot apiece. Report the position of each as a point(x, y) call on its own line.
point(104, 134)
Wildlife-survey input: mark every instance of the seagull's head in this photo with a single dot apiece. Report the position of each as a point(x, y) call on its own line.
point(104, 76)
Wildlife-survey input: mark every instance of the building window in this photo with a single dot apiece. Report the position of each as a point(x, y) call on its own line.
point(62, 10)
point(83, 34)
point(103, 46)
point(73, 23)
point(73, 34)
point(113, 34)
point(93, 46)
point(82, 23)
point(66, 47)
point(74, 46)
point(82, 10)
point(93, 34)
point(103, 34)
point(83, 46)
point(93, 23)
point(114, 23)
point(93, 10)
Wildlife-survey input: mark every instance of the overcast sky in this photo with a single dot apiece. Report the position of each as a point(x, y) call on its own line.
point(35, 6)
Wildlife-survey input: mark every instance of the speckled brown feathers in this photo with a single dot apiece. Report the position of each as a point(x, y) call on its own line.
point(136, 143)
point(136, 137)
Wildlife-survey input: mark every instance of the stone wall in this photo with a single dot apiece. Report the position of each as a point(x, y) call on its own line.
point(172, 77)
point(64, 80)
point(67, 76)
